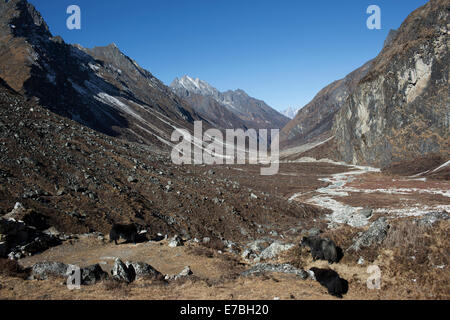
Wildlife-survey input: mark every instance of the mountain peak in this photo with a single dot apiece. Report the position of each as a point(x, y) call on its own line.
point(194, 85)
point(27, 21)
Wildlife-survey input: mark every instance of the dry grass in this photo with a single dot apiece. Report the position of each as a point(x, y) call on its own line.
point(11, 268)
point(117, 287)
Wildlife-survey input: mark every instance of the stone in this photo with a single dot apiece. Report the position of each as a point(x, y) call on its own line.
point(186, 272)
point(376, 233)
point(144, 271)
point(367, 212)
point(431, 218)
point(175, 242)
point(42, 270)
point(274, 250)
point(121, 272)
point(92, 274)
point(276, 268)
point(132, 179)
point(314, 232)
point(206, 240)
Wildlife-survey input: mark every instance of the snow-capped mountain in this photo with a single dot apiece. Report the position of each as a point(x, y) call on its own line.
point(252, 112)
point(290, 112)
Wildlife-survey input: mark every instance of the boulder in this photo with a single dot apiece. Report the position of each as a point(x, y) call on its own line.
point(42, 270)
point(274, 250)
point(277, 268)
point(121, 272)
point(367, 212)
point(186, 272)
point(376, 233)
point(176, 241)
point(143, 270)
point(22, 240)
point(431, 218)
point(92, 274)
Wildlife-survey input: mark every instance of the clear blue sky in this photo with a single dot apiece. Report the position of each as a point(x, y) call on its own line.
point(280, 51)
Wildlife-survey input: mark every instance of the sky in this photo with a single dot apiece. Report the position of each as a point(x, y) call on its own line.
point(280, 51)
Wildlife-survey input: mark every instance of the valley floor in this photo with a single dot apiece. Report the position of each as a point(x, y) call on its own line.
point(413, 259)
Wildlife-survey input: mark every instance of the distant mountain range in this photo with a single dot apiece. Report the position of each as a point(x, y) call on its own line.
point(230, 109)
point(395, 107)
point(290, 112)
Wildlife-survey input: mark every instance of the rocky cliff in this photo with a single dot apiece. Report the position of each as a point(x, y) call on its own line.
point(401, 108)
point(314, 121)
point(394, 108)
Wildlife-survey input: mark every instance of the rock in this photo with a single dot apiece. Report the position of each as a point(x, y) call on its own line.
point(42, 270)
point(132, 179)
point(176, 241)
point(254, 248)
point(61, 192)
point(277, 268)
point(186, 272)
point(367, 212)
point(143, 270)
point(361, 261)
point(206, 240)
point(183, 274)
point(376, 233)
point(52, 232)
point(314, 232)
point(431, 218)
point(24, 239)
point(121, 272)
point(18, 208)
point(92, 274)
point(274, 250)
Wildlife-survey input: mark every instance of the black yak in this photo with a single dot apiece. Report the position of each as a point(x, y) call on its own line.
point(322, 249)
point(127, 232)
point(330, 279)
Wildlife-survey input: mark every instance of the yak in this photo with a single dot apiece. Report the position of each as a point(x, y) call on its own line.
point(330, 279)
point(323, 249)
point(128, 232)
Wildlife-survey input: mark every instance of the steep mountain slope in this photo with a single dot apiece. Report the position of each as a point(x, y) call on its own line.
point(400, 110)
point(394, 108)
point(81, 181)
point(101, 88)
point(314, 121)
point(253, 113)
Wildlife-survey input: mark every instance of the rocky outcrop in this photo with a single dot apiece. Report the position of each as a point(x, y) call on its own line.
point(315, 121)
point(394, 108)
point(122, 272)
point(376, 233)
point(17, 239)
point(401, 109)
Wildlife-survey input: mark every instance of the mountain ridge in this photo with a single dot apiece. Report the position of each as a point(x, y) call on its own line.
point(252, 112)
